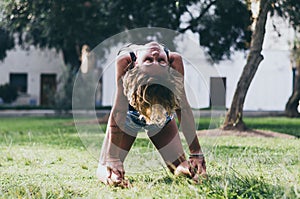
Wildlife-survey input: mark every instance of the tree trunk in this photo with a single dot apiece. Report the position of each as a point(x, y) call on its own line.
point(234, 116)
point(291, 108)
point(71, 58)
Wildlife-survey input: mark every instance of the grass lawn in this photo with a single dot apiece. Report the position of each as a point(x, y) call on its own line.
point(47, 158)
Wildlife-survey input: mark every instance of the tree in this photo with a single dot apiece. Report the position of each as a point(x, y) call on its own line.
point(220, 31)
point(291, 108)
point(284, 8)
point(67, 26)
point(6, 42)
point(58, 24)
point(234, 116)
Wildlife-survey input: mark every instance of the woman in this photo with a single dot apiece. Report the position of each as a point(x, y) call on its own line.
point(150, 91)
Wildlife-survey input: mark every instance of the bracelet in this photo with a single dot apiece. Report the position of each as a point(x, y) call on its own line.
point(198, 155)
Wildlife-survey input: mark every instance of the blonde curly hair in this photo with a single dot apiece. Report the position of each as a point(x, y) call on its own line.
point(154, 97)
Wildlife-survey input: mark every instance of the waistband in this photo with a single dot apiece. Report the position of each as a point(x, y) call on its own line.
point(135, 122)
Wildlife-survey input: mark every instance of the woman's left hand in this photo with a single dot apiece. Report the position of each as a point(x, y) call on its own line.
point(198, 167)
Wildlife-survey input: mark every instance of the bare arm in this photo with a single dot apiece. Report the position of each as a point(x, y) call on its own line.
point(116, 122)
point(111, 160)
point(120, 103)
point(184, 113)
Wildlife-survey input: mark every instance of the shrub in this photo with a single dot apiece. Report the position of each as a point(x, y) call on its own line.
point(8, 93)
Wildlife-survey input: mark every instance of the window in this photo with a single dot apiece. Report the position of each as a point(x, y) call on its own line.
point(19, 80)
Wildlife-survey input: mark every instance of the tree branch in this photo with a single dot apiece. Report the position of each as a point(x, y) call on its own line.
point(194, 20)
point(206, 9)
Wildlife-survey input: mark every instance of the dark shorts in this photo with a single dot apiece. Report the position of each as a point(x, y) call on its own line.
point(135, 123)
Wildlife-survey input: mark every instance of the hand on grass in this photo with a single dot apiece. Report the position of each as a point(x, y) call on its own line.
point(195, 169)
point(112, 174)
point(183, 169)
point(198, 168)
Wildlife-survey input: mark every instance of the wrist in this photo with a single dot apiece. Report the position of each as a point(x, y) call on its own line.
point(195, 150)
point(196, 155)
point(194, 146)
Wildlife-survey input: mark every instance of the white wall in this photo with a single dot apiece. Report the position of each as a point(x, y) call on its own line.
point(272, 83)
point(269, 90)
point(34, 62)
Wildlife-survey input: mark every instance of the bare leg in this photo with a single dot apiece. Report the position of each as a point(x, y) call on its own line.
point(126, 145)
point(168, 143)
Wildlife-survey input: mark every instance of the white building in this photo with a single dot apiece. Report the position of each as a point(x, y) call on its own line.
point(34, 72)
point(37, 71)
point(269, 90)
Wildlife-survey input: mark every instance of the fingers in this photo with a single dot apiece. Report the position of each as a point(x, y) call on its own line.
point(102, 173)
point(195, 170)
point(123, 183)
point(198, 169)
point(112, 176)
point(117, 175)
point(117, 179)
point(183, 169)
point(190, 168)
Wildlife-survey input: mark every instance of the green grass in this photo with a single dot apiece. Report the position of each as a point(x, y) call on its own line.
point(48, 158)
point(278, 124)
point(285, 125)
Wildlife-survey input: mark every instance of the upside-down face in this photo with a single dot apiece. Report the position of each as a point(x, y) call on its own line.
point(153, 60)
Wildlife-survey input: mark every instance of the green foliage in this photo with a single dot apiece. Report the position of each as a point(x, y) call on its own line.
point(8, 93)
point(289, 10)
point(223, 28)
point(6, 42)
point(66, 26)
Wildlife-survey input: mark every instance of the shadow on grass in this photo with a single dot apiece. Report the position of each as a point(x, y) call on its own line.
point(236, 185)
point(289, 126)
point(229, 185)
point(291, 129)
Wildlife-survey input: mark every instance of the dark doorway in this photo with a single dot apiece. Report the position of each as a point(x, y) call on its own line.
point(218, 92)
point(48, 89)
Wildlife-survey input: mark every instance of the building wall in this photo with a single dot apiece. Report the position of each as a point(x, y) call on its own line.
point(272, 83)
point(269, 90)
point(33, 62)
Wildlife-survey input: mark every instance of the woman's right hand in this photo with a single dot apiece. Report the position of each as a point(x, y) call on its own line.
point(112, 174)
